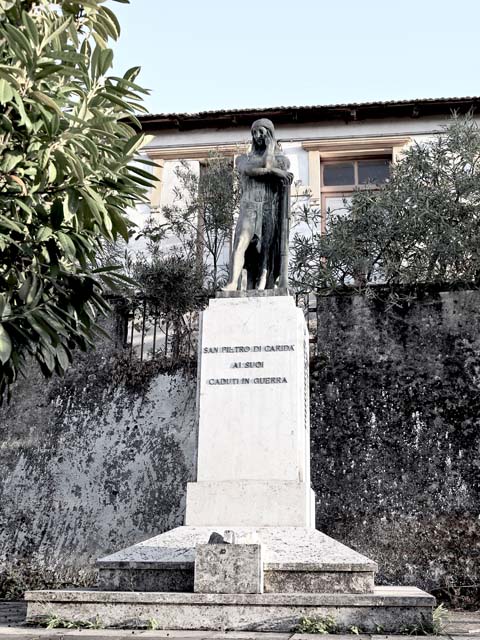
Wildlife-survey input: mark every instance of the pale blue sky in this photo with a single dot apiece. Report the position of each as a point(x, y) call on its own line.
point(200, 55)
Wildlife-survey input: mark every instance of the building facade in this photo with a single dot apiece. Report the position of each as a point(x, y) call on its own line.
point(332, 149)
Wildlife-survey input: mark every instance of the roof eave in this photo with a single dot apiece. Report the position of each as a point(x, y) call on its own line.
point(291, 115)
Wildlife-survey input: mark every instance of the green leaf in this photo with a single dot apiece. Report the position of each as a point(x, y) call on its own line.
point(47, 101)
point(75, 165)
point(123, 82)
point(5, 5)
point(105, 61)
point(132, 73)
point(24, 119)
point(10, 224)
point(133, 144)
point(34, 293)
point(67, 244)
point(51, 172)
point(24, 289)
point(5, 345)
point(46, 354)
point(101, 42)
point(5, 307)
point(43, 234)
point(10, 160)
point(118, 224)
point(62, 357)
point(31, 27)
point(121, 277)
point(58, 31)
point(8, 77)
point(19, 37)
point(6, 123)
point(113, 21)
point(6, 91)
point(28, 210)
point(143, 174)
point(116, 101)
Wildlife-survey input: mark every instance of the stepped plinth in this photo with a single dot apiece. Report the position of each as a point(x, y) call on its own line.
point(296, 559)
point(252, 479)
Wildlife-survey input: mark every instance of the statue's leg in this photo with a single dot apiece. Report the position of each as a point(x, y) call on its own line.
point(263, 268)
point(242, 240)
point(263, 280)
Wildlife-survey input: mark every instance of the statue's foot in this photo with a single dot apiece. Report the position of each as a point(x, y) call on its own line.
point(230, 286)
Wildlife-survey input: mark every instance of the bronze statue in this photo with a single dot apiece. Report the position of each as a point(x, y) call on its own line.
point(261, 235)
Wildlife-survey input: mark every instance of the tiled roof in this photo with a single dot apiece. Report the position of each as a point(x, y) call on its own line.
point(343, 111)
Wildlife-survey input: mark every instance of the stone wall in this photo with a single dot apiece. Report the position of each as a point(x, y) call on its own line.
point(100, 460)
point(90, 464)
point(396, 436)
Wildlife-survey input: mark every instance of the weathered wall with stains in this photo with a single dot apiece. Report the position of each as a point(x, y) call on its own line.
point(101, 459)
point(91, 464)
point(396, 436)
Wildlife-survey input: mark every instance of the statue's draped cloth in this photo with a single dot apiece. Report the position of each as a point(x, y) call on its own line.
point(263, 206)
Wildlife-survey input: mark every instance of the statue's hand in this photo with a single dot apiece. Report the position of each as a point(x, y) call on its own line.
point(270, 146)
point(284, 175)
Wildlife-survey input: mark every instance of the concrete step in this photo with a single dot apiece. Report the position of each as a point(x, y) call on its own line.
point(296, 559)
point(460, 625)
point(387, 608)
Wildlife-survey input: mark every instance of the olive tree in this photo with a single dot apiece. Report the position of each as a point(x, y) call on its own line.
point(202, 214)
point(68, 135)
point(421, 227)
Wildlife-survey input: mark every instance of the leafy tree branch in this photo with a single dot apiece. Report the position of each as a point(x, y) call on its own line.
point(68, 136)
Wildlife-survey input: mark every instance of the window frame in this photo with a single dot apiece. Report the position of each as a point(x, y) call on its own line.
point(342, 191)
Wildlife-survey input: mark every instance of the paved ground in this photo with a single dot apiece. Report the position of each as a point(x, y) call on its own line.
point(462, 625)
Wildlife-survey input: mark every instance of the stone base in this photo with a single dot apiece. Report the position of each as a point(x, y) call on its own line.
point(254, 293)
point(296, 559)
point(387, 609)
point(253, 462)
point(278, 503)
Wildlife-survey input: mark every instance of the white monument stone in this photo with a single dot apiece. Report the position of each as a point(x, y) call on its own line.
point(253, 416)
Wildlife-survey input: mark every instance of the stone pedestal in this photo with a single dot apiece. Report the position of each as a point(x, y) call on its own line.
point(295, 559)
point(253, 477)
point(253, 416)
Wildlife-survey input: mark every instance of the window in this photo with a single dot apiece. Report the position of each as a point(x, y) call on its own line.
point(341, 177)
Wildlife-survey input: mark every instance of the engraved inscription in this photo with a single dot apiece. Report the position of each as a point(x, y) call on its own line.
point(268, 348)
point(247, 365)
point(224, 381)
point(250, 364)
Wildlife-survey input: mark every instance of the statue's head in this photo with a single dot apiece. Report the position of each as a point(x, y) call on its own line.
point(262, 131)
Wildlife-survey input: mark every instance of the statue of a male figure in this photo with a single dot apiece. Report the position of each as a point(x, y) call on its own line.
point(261, 235)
